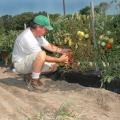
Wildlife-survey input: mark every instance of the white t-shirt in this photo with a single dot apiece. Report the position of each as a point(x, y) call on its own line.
point(26, 44)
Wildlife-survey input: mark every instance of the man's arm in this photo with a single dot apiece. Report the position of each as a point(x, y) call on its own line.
point(53, 48)
point(63, 58)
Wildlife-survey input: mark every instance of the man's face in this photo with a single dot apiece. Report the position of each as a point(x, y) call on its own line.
point(41, 31)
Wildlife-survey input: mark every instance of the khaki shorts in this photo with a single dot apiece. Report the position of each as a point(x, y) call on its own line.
point(25, 65)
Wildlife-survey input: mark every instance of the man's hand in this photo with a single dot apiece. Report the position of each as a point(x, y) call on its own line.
point(70, 57)
point(63, 58)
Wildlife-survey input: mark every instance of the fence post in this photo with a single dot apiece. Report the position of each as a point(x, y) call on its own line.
point(94, 35)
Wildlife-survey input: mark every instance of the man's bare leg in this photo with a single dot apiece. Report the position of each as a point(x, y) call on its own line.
point(37, 67)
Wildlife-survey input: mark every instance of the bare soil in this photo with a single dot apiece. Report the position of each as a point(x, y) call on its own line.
point(87, 103)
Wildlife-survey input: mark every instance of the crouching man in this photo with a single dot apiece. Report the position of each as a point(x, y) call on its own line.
point(28, 56)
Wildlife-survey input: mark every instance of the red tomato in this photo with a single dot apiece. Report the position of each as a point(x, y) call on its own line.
point(108, 45)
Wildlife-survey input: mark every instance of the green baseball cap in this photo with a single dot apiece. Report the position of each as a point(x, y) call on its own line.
point(42, 21)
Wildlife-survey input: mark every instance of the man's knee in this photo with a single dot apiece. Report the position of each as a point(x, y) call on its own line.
point(41, 56)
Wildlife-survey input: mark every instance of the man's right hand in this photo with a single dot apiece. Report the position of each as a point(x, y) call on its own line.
point(63, 58)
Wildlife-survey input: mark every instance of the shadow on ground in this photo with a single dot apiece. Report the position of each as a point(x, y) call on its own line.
point(17, 82)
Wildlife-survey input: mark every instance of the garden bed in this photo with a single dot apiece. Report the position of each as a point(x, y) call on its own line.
point(91, 78)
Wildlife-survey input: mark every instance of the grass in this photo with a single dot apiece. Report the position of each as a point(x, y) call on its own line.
point(63, 113)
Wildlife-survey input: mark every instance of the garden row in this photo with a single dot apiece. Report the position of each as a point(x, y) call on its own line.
point(75, 32)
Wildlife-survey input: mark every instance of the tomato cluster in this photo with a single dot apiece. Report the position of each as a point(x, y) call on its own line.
point(105, 41)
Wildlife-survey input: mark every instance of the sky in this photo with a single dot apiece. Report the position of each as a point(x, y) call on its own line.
point(14, 7)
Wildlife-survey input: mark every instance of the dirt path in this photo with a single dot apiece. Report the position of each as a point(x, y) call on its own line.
point(17, 103)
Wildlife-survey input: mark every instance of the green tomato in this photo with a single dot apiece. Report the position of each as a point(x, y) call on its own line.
point(99, 42)
point(101, 37)
point(108, 33)
point(86, 36)
point(103, 44)
point(111, 40)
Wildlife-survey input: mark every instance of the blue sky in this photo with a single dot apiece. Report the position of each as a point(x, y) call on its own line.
point(13, 7)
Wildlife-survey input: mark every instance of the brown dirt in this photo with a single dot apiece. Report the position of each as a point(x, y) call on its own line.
point(17, 103)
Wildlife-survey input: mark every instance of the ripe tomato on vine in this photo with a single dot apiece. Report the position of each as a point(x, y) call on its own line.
point(108, 45)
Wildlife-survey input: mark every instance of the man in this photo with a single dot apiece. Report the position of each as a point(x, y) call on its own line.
point(28, 56)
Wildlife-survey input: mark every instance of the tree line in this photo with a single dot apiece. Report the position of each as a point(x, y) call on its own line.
point(9, 22)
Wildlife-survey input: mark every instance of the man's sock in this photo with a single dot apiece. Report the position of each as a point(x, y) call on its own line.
point(35, 75)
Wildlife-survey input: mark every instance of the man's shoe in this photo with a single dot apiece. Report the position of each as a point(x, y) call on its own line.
point(39, 82)
point(29, 82)
point(34, 84)
point(29, 86)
